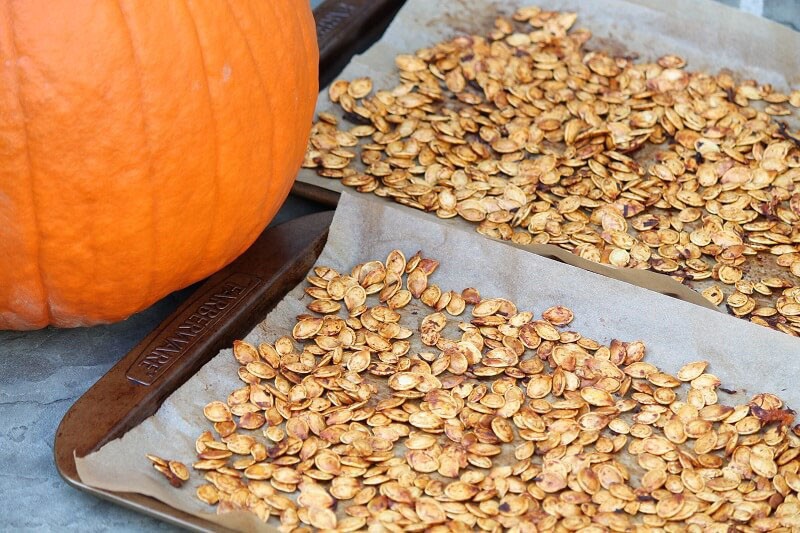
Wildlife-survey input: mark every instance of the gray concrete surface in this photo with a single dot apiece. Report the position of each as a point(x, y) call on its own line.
point(784, 11)
point(42, 373)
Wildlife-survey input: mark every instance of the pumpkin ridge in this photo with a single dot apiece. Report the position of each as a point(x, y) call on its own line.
point(146, 132)
point(215, 127)
point(297, 16)
point(314, 52)
point(283, 191)
point(303, 61)
point(247, 45)
point(47, 304)
point(261, 83)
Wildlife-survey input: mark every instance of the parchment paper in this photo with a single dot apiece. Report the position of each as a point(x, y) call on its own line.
point(711, 36)
point(746, 357)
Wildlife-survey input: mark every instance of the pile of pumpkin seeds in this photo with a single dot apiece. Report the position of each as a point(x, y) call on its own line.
point(398, 405)
point(534, 138)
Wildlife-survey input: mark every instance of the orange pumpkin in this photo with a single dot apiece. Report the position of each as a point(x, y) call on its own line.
point(143, 146)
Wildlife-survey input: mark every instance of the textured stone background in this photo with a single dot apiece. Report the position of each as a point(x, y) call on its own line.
point(42, 373)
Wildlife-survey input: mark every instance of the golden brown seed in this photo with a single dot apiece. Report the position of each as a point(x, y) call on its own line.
point(209, 464)
point(244, 352)
point(431, 295)
point(400, 299)
point(321, 518)
point(456, 304)
point(471, 295)
point(417, 283)
point(360, 87)
point(337, 89)
point(502, 429)
point(691, 371)
point(305, 329)
point(156, 460)
point(354, 298)
point(430, 511)
point(217, 412)
point(558, 315)
point(208, 494)
point(422, 461)
point(259, 471)
point(597, 397)
point(179, 470)
point(324, 307)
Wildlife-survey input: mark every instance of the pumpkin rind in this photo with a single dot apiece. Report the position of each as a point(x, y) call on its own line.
point(143, 146)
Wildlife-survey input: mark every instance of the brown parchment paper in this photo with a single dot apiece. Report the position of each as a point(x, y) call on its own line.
point(711, 36)
point(746, 357)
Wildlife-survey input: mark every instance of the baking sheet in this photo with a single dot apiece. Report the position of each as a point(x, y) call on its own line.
point(675, 332)
point(711, 36)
